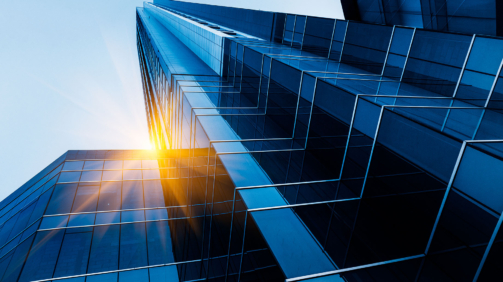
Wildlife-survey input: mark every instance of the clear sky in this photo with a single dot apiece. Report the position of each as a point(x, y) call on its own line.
point(70, 79)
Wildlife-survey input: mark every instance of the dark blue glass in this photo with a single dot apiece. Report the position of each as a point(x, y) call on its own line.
point(43, 256)
point(132, 195)
point(74, 254)
point(159, 243)
point(86, 198)
point(104, 249)
point(133, 245)
point(140, 275)
point(62, 199)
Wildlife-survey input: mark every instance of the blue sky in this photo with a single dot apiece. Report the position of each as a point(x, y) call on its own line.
point(70, 78)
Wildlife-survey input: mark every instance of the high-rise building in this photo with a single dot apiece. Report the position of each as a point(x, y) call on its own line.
point(288, 148)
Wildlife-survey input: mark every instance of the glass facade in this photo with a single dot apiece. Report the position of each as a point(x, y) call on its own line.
point(467, 16)
point(288, 148)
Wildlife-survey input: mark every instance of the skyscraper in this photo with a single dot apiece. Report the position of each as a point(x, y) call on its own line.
point(289, 148)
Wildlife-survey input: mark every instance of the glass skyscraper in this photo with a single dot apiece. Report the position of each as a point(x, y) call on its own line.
point(288, 148)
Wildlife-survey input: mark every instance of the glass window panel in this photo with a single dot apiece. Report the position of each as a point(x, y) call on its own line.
point(76, 279)
point(480, 177)
point(54, 222)
point(112, 175)
point(74, 254)
point(88, 165)
point(81, 219)
point(4, 263)
point(165, 273)
point(107, 217)
point(62, 199)
point(156, 214)
point(32, 229)
point(132, 164)
point(91, 176)
point(151, 174)
point(132, 174)
point(8, 247)
point(22, 221)
point(73, 165)
point(113, 164)
point(154, 196)
point(475, 87)
point(40, 206)
point(150, 164)
point(159, 243)
point(401, 41)
point(43, 256)
point(86, 198)
point(140, 275)
point(132, 195)
point(69, 177)
point(109, 277)
point(486, 55)
point(131, 216)
point(110, 196)
point(6, 229)
point(104, 249)
point(133, 249)
point(17, 261)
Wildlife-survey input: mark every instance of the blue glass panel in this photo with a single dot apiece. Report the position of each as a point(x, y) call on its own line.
point(104, 249)
point(402, 38)
point(133, 247)
point(81, 219)
point(107, 217)
point(90, 176)
point(109, 277)
point(366, 46)
point(479, 176)
point(433, 151)
point(33, 228)
point(486, 55)
point(93, 165)
point(17, 261)
point(23, 220)
point(110, 196)
point(318, 35)
point(156, 214)
point(73, 165)
point(6, 229)
point(54, 222)
point(132, 195)
point(165, 273)
point(43, 256)
point(69, 177)
point(76, 279)
point(62, 199)
point(154, 196)
point(74, 254)
point(4, 263)
point(159, 243)
point(290, 251)
point(86, 198)
point(131, 216)
point(140, 275)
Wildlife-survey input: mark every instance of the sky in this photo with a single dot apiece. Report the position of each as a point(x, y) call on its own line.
point(70, 78)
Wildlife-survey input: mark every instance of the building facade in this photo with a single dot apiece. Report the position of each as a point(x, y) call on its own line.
point(288, 148)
